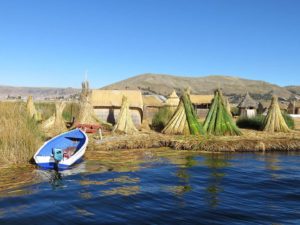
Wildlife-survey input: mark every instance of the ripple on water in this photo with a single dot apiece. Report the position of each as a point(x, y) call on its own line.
point(157, 187)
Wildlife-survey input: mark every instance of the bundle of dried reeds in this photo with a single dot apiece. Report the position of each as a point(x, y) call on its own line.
point(86, 113)
point(55, 124)
point(124, 122)
point(32, 112)
point(274, 121)
point(184, 120)
point(218, 120)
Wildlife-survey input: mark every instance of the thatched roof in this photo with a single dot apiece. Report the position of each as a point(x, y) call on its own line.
point(152, 100)
point(201, 99)
point(173, 99)
point(266, 103)
point(295, 104)
point(248, 102)
point(113, 98)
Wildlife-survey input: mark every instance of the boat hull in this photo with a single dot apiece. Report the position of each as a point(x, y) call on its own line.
point(47, 161)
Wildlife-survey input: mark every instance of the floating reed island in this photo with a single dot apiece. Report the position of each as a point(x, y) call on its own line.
point(218, 134)
point(179, 126)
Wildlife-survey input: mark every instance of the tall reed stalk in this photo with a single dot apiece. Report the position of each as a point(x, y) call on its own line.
point(19, 134)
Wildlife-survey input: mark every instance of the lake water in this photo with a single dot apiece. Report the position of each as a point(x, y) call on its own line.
point(157, 187)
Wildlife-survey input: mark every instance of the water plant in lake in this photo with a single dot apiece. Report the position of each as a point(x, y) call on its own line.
point(218, 120)
point(19, 134)
point(161, 118)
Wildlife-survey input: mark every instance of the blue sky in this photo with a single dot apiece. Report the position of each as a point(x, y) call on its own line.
point(52, 43)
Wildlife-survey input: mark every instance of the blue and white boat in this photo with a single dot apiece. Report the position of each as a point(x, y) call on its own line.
point(62, 151)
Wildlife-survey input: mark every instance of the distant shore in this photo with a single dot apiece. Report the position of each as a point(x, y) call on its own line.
point(250, 141)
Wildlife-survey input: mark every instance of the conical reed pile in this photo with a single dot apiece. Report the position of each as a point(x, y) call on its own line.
point(184, 119)
point(86, 112)
point(124, 122)
point(218, 120)
point(32, 112)
point(274, 121)
point(55, 124)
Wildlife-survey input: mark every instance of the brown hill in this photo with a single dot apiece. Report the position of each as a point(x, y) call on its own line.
point(231, 86)
point(294, 89)
point(36, 92)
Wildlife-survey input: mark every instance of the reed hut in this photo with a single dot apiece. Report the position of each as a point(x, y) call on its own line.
point(201, 104)
point(274, 121)
point(247, 107)
point(184, 120)
point(294, 107)
point(124, 123)
point(218, 120)
point(263, 106)
point(172, 100)
point(107, 105)
point(152, 104)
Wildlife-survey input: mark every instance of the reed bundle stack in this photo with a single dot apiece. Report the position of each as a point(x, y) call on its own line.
point(86, 113)
point(227, 104)
point(124, 122)
point(218, 120)
point(184, 119)
point(274, 121)
point(55, 124)
point(31, 110)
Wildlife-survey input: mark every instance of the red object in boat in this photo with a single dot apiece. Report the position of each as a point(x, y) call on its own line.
point(89, 128)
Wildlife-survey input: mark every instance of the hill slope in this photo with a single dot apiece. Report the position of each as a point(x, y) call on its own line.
point(232, 86)
point(36, 92)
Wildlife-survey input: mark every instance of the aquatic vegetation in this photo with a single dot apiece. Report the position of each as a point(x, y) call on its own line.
point(20, 136)
point(255, 123)
point(161, 118)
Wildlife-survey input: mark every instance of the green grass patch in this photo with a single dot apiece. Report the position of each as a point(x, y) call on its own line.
point(161, 118)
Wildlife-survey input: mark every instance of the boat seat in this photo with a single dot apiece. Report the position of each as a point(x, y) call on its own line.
point(68, 152)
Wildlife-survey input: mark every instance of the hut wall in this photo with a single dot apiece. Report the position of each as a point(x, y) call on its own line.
point(110, 115)
point(149, 112)
point(202, 112)
point(249, 113)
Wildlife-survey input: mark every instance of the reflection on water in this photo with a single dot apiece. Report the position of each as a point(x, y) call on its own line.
point(151, 186)
point(216, 162)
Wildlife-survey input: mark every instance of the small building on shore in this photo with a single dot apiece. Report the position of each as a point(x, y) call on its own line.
point(172, 100)
point(201, 104)
point(264, 105)
point(247, 107)
point(294, 107)
point(152, 104)
point(107, 104)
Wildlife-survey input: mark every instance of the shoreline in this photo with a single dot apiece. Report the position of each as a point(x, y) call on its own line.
point(250, 141)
